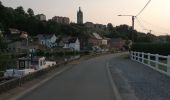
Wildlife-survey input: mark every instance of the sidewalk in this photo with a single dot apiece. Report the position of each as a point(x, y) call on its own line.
point(140, 80)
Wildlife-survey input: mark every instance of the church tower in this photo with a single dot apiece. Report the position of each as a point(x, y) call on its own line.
point(79, 16)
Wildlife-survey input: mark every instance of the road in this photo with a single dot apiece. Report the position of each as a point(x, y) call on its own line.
point(87, 80)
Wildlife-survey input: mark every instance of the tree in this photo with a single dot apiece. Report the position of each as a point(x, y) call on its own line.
point(20, 10)
point(110, 26)
point(30, 12)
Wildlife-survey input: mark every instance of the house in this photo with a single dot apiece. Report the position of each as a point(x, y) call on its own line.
point(95, 41)
point(73, 44)
point(21, 46)
point(47, 40)
point(117, 43)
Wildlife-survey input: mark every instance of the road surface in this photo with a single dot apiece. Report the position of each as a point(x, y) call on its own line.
point(147, 84)
point(87, 80)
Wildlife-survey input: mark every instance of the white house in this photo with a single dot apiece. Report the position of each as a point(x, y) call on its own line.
point(73, 43)
point(47, 40)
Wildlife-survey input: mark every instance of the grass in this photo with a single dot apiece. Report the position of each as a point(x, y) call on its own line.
point(1, 74)
point(153, 64)
point(125, 56)
point(163, 68)
point(146, 61)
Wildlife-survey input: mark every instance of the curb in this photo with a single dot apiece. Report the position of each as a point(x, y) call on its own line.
point(113, 85)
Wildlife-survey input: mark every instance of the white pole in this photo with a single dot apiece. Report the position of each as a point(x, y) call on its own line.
point(149, 58)
point(168, 64)
point(135, 55)
point(157, 61)
point(142, 57)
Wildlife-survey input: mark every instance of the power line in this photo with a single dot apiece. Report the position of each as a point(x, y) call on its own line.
point(140, 24)
point(143, 8)
point(156, 26)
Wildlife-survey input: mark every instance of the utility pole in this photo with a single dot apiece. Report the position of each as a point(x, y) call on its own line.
point(133, 24)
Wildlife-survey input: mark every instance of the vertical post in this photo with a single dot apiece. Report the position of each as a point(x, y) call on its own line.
point(149, 58)
point(27, 54)
point(135, 55)
point(132, 55)
point(142, 57)
point(139, 56)
point(168, 64)
point(133, 21)
point(157, 61)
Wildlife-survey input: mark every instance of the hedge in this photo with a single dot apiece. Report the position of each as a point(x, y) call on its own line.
point(154, 48)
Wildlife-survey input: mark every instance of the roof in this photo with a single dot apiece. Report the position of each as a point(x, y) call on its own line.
point(97, 36)
point(43, 36)
point(72, 40)
point(49, 36)
point(117, 39)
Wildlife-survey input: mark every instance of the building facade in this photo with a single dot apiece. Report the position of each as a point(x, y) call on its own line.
point(41, 17)
point(47, 40)
point(61, 20)
point(79, 16)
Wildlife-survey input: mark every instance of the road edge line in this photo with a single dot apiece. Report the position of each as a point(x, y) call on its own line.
point(113, 85)
point(39, 84)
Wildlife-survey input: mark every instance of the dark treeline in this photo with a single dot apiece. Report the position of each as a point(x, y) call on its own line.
point(26, 21)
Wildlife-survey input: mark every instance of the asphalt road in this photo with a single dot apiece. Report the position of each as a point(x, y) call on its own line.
point(87, 80)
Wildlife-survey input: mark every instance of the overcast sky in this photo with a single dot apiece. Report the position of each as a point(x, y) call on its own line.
point(155, 17)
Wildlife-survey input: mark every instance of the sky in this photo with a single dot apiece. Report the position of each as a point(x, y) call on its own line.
point(155, 17)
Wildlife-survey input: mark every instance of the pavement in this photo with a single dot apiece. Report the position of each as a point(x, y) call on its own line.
point(87, 80)
point(107, 77)
point(139, 80)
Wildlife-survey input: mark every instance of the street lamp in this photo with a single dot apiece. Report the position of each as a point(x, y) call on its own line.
point(133, 23)
point(133, 19)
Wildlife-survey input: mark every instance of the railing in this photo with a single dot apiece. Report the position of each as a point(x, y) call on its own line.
point(155, 61)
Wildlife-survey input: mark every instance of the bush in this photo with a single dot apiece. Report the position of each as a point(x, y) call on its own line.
point(154, 48)
point(1, 74)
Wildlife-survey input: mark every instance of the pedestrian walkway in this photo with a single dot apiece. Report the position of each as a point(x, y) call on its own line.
point(147, 84)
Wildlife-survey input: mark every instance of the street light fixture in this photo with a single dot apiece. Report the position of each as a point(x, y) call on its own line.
point(133, 21)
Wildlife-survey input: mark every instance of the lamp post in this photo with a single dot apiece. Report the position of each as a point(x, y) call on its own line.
point(24, 35)
point(133, 23)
